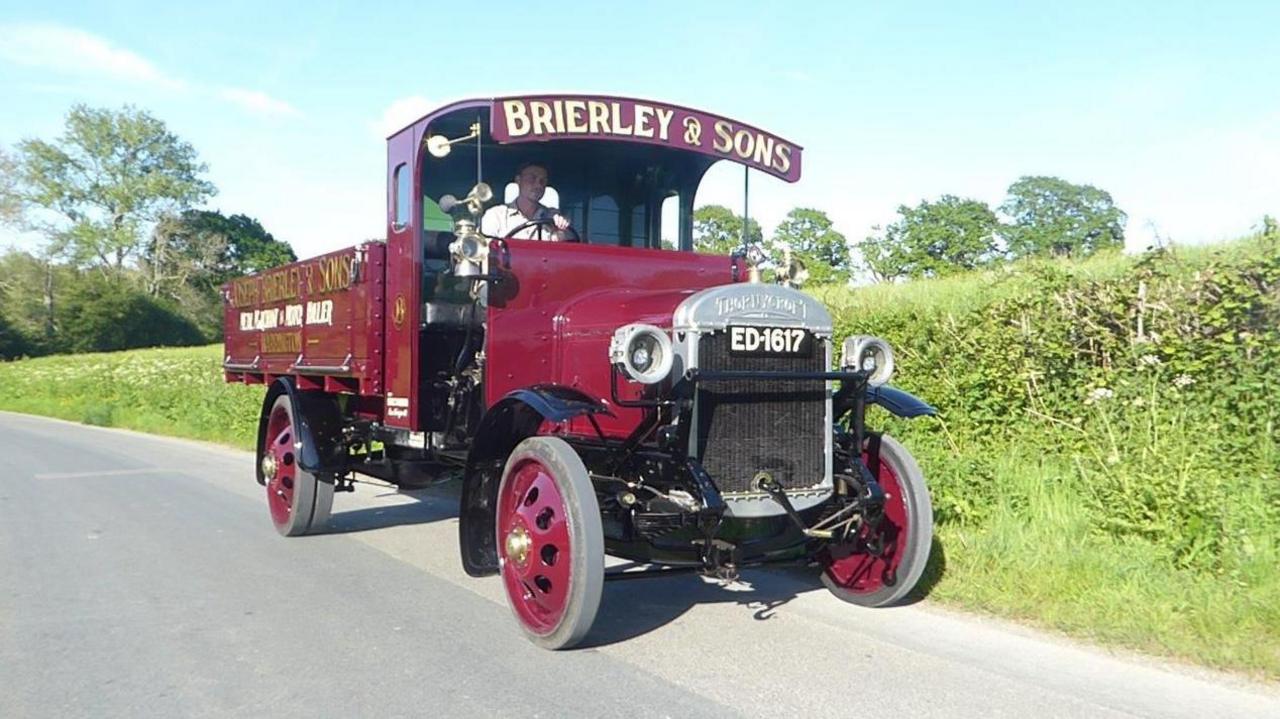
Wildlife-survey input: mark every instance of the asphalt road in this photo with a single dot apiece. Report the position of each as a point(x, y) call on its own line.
point(141, 577)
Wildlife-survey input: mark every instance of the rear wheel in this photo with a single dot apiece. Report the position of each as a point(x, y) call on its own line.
point(880, 565)
point(550, 542)
point(299, 501)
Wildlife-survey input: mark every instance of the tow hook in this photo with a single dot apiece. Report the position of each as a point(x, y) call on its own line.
point(767, 484)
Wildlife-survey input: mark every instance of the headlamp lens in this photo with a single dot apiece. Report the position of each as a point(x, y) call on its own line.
point(641, 357)
point(643, 352)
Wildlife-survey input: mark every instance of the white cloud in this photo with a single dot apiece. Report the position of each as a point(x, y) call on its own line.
point(73, 51)
point(257, 102)
point(400, 113)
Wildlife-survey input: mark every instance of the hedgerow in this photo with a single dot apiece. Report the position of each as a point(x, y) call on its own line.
point(1155, 378)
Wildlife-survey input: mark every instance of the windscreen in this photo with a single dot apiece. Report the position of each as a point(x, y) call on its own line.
point(613, 193)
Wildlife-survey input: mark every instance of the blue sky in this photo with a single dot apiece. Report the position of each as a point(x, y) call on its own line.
point(1170, 106)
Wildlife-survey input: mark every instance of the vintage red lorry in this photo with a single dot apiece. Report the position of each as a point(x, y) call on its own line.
point(604, 395)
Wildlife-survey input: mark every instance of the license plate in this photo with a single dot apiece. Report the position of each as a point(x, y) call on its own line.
point(770, 342)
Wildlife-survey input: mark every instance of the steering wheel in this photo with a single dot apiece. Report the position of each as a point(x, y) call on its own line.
point(541, 223)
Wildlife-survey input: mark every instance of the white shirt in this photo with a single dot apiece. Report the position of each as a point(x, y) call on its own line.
point(501, 219)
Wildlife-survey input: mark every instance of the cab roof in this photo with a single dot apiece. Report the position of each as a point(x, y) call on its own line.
point(577, 118)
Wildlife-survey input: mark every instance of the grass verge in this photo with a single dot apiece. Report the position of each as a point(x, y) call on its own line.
point(177, 392)
point(1039, 558)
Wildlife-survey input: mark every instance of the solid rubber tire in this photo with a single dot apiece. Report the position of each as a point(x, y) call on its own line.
point(312, 496)
point(586, 538)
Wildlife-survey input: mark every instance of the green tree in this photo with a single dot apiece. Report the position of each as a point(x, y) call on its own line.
point(1054, 217)
point(190, 255)
point(12, 343)
point(95, 190)
point(10, 202)
point(809, 233)
point(251, 248)
point(100, 314)
point(30, 287)
point(203, 249)
point(716, 230)
point(933, 238)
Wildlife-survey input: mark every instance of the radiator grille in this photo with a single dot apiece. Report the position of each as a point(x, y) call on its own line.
point(746, 426)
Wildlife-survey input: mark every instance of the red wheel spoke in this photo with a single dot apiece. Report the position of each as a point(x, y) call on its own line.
point(521, 571)
point(556, 533)
point(558, 572)
point(276, 439)
point(854, 569)
point(529, 515)
point(548, 493)
point(546, 601)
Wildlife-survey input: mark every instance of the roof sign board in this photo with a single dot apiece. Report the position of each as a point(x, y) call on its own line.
point(577, 117)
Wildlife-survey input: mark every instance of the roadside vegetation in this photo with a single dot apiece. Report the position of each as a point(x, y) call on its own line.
point(172, 391)
point(1105, 463)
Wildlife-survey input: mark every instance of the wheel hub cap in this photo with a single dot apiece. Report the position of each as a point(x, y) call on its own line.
point(518, 543)
point(269, 467)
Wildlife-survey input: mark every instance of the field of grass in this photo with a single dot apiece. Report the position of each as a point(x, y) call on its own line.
point(177, 392)
point(1100, 467)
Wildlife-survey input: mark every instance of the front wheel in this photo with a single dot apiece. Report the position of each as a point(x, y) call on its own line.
point(879, 566)
point(299, 501)
point(550, 542)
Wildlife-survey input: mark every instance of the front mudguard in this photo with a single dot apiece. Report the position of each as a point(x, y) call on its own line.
point(899, 402)
point(512, 419)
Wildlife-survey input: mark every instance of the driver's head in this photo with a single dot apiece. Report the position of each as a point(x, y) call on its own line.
point(531, 178)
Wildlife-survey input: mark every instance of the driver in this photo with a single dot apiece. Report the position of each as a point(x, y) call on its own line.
point(531, 178)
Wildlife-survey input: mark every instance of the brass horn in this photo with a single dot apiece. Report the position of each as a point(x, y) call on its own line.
point(475, 200)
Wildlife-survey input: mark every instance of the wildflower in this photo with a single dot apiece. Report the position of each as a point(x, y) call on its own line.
point(1099, 394)
point(1150, 360)
point(1183, 381)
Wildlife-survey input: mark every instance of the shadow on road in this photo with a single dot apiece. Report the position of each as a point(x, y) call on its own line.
point(432, 504)
point(635, 607)
point(933, 573)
